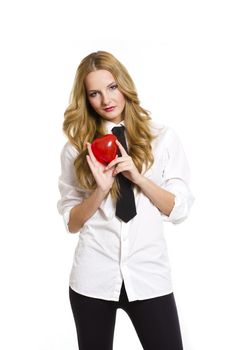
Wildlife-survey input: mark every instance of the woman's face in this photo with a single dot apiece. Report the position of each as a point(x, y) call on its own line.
point(103, 93)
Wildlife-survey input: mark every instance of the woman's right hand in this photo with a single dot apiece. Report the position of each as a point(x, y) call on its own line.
point(104, 179)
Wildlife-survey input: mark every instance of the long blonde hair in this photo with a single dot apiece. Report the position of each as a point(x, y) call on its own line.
point(82, 123)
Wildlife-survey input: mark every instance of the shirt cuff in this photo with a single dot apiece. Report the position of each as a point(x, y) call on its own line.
point(180, 210)
point(66, 218)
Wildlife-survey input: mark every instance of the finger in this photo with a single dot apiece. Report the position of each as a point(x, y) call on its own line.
point(93, 158)
point(114, 162)
point(123, 151)
point(122, 168)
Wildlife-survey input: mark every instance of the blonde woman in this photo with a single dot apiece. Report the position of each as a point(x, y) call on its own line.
point(121, 257)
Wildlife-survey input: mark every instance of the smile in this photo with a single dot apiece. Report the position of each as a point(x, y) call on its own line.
point(110, 109)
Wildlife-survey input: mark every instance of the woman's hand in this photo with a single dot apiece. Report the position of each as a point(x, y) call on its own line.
point(104, 178)
point(124, 165)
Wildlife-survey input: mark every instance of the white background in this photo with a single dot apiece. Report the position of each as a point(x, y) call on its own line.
point(180, 54)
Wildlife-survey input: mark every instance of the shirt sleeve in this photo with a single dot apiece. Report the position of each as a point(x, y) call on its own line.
point(176, 179)
point(67, 183)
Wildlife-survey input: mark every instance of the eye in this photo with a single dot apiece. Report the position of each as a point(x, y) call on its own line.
point(93, 94)
point(113, 87)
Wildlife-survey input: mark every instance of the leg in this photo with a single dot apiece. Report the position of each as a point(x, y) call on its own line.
point(94, 320)
point(156, 322)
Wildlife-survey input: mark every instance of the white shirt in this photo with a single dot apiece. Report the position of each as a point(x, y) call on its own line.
point(110, 250)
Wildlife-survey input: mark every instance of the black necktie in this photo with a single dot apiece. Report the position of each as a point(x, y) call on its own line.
point(125, 206)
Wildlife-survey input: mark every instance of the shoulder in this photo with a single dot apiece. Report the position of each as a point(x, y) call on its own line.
point(165, 134)
point(156, 127)
point(69, 151)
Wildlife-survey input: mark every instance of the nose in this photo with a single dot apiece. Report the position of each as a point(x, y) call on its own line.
point(105, 99)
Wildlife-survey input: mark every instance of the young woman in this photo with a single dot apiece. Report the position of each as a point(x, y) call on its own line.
point(121, 257)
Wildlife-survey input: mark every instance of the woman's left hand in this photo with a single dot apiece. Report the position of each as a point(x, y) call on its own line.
point(125, 165)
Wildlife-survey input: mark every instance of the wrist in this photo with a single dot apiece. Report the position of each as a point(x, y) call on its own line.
point(140, 180)
point(101, 191)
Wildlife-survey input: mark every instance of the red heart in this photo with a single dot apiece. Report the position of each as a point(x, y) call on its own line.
point(105, 148)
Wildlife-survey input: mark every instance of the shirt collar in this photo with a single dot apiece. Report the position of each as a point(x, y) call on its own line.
point(109, 125)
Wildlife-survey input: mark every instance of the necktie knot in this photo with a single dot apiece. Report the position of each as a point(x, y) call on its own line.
point(118, 129)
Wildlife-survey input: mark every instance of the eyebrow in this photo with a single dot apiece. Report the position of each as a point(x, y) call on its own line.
point(107, 86)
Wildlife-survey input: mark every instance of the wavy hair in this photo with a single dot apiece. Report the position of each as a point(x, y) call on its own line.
point(82, 124)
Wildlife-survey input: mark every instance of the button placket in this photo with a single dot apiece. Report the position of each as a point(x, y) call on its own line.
point(124, 243)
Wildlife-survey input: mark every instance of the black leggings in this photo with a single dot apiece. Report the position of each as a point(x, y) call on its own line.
point(155, 321)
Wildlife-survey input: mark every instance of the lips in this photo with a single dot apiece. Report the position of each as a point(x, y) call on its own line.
point(109, 109)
